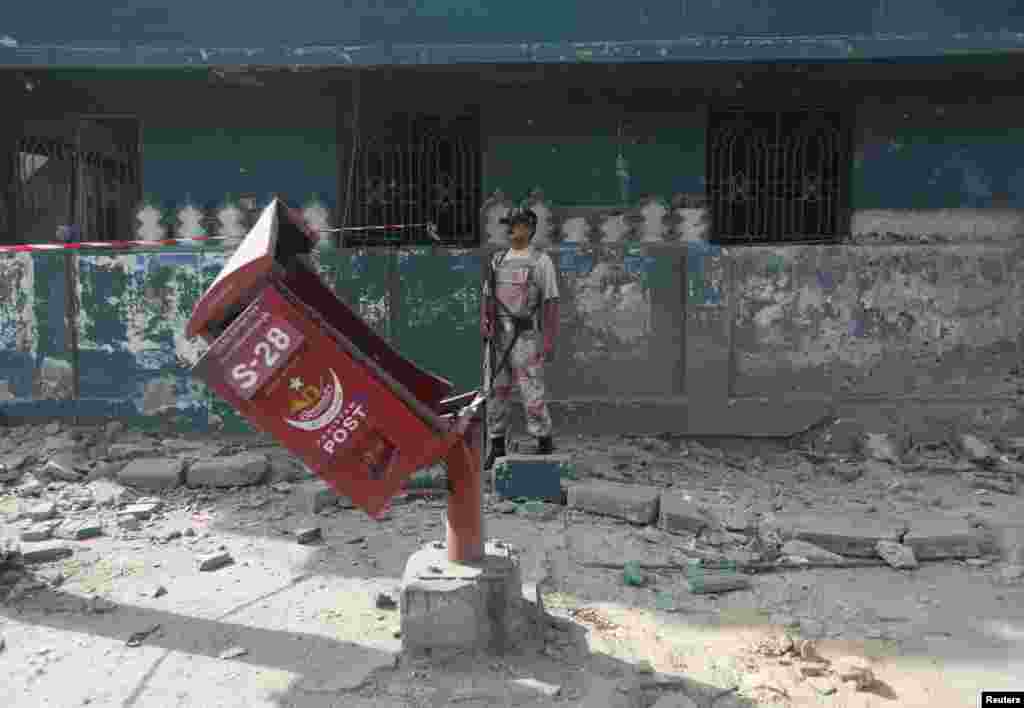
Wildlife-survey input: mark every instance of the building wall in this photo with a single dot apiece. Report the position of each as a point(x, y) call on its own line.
point(922, 304)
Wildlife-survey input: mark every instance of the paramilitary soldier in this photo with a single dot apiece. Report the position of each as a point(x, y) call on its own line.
point(520, 292)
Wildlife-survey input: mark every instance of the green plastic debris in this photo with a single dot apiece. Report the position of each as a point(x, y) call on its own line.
point(632, 575)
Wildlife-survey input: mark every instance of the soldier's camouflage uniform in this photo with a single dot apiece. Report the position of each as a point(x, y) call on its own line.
point(524, 281)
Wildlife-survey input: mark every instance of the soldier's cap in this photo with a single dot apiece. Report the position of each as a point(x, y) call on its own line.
point(519, 216)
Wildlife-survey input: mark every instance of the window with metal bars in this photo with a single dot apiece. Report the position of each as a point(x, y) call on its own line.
point(401, 185)
point(74, 172)
point(777, 177)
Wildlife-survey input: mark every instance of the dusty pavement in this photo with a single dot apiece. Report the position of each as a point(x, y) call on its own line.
point(121, 586)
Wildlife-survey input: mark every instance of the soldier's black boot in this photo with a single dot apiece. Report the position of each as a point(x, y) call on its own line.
point(545, 445)
point(497, 450)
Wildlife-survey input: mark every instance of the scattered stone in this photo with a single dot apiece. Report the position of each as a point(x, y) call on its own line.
point(61, 467)
point(992, 480)
point(385, 602)
point(215, 561)
point(80, 530)
point(107, 493)
point(636, 504)
point(853, 535)
point(897, 555)
point(710, 583)
point(13, 468)
point(808, 651)
point(549, 690)
point(190, 532)
point(154, 474)
point(233, 653)
point(848, 472)
point(31, 488)
point(128, 522)
point(680, 515)
point(45, 552)
point(1011, 573)
point(99, 605)
point(52, 428)
point(141, 511)
point(809, 551)
point(170, 535)
point(42, 512)
point(137, 638)
point(879, 447)
point(308, 535)
point(809, 670)
point(158, 591)
point(936, 539)
point(282, 487)
point(855, 669)
point(234, 471)
point(977, 450)
point(315, 496)
point(42, 531)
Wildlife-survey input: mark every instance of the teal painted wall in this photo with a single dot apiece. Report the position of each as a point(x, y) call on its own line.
point(207, 164)
point(581, 171)
point(947, 168)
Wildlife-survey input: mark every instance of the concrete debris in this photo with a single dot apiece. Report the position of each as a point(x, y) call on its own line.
point(880, 447)
point(897, 555)
point(636, 504)
point(711, 583)
point(808, 551)
point(854, 535)
point(233, 653)
point(307, 536)
point(42, 512)
point(384, 601)
point(128, 522)
point(314, 496)
point(99, 605)
point(153, 474)
point(45, 552)
point(977, 450)
point(548, 690)
point(13, 468)
point(30, 487)
point(141, 510)
point(62, 468)
point(847, 471)
point(856, 670)
point(679, 514)
point(80, 530)
point(235, 471)
point(42, 531)
point(215, 560)
point(942, 538)
point(107, 493)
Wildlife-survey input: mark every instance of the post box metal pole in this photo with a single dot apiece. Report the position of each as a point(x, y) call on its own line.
point(465, 499)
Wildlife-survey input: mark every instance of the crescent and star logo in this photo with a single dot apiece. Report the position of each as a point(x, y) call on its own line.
point(315, 407)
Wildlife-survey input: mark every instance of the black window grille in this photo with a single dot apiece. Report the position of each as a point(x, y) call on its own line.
point(429, 177)
point(73, 172)
point(777, 177)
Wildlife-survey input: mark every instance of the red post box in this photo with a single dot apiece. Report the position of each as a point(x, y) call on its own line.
point(297, 363)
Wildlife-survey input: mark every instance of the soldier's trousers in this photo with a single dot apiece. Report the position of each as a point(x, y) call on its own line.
point(525, 371)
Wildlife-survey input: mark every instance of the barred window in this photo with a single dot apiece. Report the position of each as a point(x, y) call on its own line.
point(81, 173)
point(776, 177)
point(429, 176)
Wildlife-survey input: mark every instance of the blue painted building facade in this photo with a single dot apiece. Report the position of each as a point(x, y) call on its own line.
point(613, 119)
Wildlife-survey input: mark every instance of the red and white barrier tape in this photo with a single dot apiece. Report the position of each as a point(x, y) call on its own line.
point(30, 247)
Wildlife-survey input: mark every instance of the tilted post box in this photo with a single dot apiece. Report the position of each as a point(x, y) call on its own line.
point(297, 363)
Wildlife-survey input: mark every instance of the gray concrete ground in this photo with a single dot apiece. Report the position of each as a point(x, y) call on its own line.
point(129, 619)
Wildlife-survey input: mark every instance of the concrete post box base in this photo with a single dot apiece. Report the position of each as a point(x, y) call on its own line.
point(454, 607)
